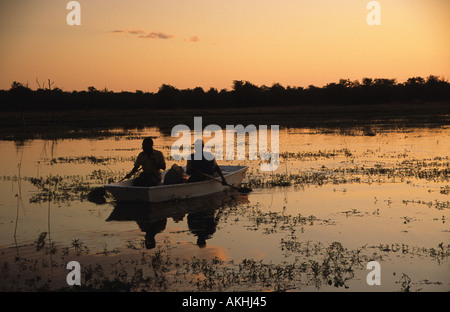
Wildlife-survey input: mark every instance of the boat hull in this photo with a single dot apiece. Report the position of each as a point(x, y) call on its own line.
point(126, 192)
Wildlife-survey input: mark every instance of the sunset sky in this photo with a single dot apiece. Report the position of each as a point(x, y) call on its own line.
point(141, 44)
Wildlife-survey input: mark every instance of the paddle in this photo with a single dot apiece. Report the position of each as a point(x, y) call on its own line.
point(132, 174)
point(244, 190)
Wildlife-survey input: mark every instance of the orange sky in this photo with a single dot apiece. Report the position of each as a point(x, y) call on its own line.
point(139, 45)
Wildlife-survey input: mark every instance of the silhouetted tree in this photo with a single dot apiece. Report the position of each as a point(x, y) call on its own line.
point(242, 94)
point(92, 89)
point(167, 96)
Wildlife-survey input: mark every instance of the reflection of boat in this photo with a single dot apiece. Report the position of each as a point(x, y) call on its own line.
point(125, 191)
point(203, 214)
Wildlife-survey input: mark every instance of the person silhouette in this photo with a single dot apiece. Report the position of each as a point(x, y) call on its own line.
point(151, 228)
point(202, 164)
point(151, 161)
point(203, 225)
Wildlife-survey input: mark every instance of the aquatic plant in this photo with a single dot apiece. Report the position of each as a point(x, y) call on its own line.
point(58, 188)
point(314, 265)
point(445, 190)
point(66, 188)
point(440, 205)
point(439, 253)
point(405, 282)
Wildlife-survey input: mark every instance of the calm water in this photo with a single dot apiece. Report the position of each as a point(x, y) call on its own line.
point(336, 196)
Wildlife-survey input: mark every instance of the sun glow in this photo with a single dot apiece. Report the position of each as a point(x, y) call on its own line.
point(140, 45)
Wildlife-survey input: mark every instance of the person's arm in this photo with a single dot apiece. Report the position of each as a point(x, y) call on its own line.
point(132, 172)
point(136, 167)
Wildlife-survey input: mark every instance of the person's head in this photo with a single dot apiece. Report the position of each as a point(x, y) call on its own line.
point(201, 241)
point(147, 145)
point(150, 241)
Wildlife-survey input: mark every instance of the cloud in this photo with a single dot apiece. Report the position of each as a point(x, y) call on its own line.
point(156, 35)
point(145, 34)
point(192, 39)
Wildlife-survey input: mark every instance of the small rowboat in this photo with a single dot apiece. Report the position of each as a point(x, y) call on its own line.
point(125, 191)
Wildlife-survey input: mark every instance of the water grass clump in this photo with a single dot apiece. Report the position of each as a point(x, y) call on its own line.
point(66, 188)
point(312, 265)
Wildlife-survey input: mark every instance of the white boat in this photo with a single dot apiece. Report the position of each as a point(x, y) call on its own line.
point(125, 191)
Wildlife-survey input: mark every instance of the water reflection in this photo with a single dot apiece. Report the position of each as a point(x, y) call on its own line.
point(151, 228)
point(203, 225)
point(202, 215)
point(387, 190)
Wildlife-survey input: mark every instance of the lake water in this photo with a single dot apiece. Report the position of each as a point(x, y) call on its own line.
point(338, 200)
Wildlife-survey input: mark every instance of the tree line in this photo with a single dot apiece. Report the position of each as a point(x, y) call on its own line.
point(20, 97)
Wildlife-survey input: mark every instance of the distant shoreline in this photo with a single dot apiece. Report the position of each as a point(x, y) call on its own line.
point(82, 123)
point(50, 112)
point(243, 94)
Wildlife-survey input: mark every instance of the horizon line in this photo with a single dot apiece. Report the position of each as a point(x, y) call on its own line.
point(105, 89)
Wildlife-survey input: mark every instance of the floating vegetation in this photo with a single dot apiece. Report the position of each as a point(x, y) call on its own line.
point(445, 190)
point(95, 160)
point(315, 155)
point(439, 254)
point(59, 189)
point(353, 212)
point(334, 269)
point(440, 205)
point(273, 222)
point(290, 260)
point(63, 189)
point(40, 241)
point(79, 247)
point(400, 171)
point(405, 282)
point(314, 265)
point(300, 179)
point(159, 271)
point(379, 173)
point(100, 176)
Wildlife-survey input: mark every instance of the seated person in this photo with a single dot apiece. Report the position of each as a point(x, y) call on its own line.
point(152, 161)
point(200, 169)
point(175, 175)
